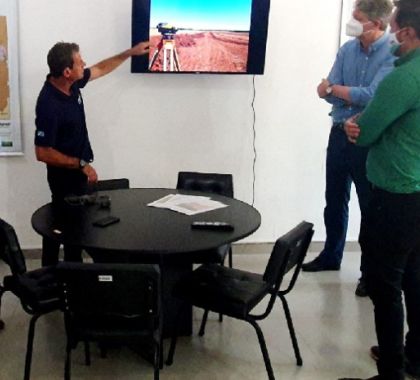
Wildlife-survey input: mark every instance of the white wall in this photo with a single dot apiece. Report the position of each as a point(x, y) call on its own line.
point(148, 127)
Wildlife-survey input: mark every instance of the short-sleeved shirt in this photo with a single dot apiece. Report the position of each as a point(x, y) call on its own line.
point(61, 125)
point(60, 120)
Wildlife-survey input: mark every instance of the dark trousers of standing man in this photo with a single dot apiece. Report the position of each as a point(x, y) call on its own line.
point(390, 240)
point(346, 163)
point(62, 182)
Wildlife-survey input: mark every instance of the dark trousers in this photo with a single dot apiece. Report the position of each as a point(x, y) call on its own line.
point(62, 182)
point(390, 240)
point(346, 163)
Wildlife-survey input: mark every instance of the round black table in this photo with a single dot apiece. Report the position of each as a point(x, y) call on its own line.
point(147, 234)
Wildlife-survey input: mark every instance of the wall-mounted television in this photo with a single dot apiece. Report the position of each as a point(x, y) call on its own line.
point(201, 36)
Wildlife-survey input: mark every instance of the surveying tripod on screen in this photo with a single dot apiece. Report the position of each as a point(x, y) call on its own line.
point(167, 44)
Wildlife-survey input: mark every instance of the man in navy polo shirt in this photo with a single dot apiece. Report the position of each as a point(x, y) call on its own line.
point(61, 136)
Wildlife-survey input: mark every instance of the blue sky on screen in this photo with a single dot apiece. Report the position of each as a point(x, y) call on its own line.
point(202, 14)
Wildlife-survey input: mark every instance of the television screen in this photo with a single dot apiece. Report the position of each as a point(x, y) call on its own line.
point(201, 36)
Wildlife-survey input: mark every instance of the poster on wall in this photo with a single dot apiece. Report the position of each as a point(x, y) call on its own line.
point(10, 132)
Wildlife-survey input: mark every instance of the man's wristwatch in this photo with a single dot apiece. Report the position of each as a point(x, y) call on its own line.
point(82, 163)
point(329, 89)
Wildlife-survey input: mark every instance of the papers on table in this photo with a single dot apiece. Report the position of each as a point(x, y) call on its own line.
point(187, 204)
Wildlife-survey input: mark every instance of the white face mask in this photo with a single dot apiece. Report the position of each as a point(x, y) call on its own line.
point(354, 28)
point(395, 43)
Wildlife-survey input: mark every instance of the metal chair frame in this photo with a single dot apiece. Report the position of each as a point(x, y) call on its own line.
point(289, 252)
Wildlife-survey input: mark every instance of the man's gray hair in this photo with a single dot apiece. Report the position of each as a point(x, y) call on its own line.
point(376, 10)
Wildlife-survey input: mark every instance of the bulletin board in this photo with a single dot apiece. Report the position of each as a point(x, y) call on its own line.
point(10, 125)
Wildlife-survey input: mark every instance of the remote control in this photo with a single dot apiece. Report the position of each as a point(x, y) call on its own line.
point(223, 226)
point(106, 221)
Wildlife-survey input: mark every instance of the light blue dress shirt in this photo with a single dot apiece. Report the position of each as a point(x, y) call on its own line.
point(361, 71)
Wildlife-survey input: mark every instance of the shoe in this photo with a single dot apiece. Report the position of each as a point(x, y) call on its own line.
point(412, 373)
point(317, 265)
point(361, 290)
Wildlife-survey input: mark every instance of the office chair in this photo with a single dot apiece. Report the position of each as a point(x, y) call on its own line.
point(111, 303)
point(37, 290)
point(221, 184)
point(112, 184)
point(236, 293)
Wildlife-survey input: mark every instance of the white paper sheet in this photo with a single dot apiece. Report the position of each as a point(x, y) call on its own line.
point(187, 204)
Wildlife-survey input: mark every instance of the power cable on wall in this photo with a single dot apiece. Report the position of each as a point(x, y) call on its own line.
point(254, 135)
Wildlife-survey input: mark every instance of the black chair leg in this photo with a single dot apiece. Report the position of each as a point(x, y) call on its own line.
point(68, 362)
point(299, 361)
point(29, 346)
point(87, 353)
point(161, 353)
point(230, 258)
point(203, 323)
point(220, 317)
point(2, 290)
point(264, 351)
point(157, 360)
point(171, 353)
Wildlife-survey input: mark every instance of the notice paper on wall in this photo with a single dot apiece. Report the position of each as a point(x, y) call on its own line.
point(187, 204)
point(10, 132)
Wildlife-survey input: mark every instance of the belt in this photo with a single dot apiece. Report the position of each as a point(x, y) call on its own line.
point(379, 190)
point(338, 125)
point(373, 187)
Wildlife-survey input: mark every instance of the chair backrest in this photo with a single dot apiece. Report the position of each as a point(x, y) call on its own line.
point(10, 251)
point(112, 184)
point(221, 184)
point(289, 252)
point(114, 290)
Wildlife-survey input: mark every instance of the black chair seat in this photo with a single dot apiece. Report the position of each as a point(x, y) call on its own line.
point(229, 291)
point(38, 289)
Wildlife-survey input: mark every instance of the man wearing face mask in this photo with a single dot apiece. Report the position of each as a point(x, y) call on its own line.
point(390, 233)
point(360, 66)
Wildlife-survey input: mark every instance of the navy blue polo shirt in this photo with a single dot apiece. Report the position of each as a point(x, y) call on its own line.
point(60, 120)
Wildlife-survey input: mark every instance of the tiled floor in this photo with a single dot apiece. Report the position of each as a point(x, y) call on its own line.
point(335, 330)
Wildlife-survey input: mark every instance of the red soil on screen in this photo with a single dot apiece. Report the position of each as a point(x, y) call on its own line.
point(207, 51)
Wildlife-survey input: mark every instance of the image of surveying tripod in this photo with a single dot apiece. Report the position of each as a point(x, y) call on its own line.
point(167, 44)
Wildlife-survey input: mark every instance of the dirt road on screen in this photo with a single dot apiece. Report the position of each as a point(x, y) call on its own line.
point(207, 51)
